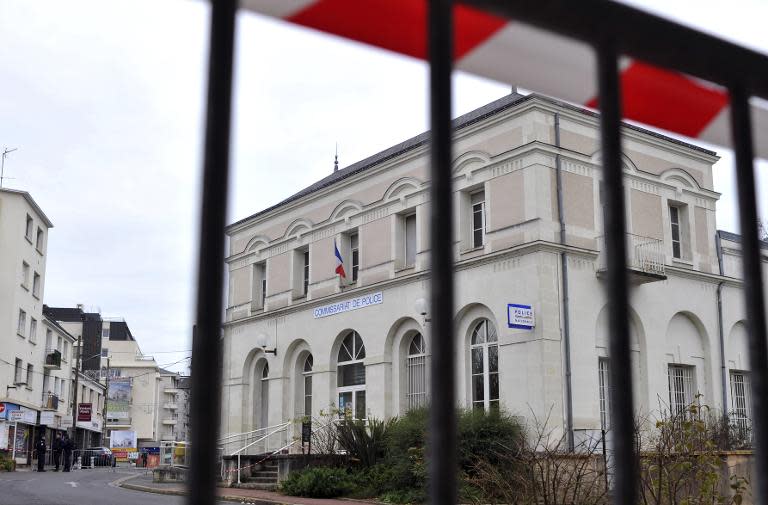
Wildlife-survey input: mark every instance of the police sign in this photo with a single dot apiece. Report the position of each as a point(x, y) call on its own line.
point(520, 316)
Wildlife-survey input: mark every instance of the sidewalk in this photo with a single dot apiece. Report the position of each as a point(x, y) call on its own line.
point(253, 496)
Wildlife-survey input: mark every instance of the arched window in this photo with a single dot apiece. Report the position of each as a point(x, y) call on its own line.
point(350, 375)
point(416, 366)
point(264, 417)
point(484, 351)
point(306, 374)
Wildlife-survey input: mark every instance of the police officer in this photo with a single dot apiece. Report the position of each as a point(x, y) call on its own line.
point(57, 450)
point(66, 446)
point(41, 449)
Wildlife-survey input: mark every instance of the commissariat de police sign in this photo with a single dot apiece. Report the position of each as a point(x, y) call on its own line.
point(347, 305)
point(520, 316)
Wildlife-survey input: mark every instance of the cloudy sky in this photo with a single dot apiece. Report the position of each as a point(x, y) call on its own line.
point(103, 100)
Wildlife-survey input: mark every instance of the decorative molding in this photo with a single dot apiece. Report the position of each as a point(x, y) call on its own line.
point(576, 168)
point(645, 186)
point(507, 264)
point(507, 167)
point(326, 232)
point(375, 214)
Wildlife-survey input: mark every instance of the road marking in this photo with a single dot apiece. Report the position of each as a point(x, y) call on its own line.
point(73, 484)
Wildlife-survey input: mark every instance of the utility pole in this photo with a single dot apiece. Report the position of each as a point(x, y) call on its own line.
point(104, 411)
point(74, 397)
point(2, 164)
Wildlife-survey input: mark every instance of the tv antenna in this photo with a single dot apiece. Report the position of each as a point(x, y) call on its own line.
point(6, 151)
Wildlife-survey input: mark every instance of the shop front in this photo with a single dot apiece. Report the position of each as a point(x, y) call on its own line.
point(17, 431)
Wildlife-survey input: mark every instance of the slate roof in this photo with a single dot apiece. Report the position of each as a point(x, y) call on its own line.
point(490, 109)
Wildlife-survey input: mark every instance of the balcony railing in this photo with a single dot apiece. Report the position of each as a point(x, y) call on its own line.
point(50, 401)
point(170, 406)
point(171, 419)
point(52, 359)
point(645, 257)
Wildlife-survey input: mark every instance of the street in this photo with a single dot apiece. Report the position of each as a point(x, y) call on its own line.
point(81, 487)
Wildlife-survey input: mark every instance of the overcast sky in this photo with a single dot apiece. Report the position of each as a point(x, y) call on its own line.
point(103, 100)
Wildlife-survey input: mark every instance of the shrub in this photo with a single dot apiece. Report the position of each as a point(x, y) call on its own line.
point(317, 482)
point(363, 441)
point(488, 436)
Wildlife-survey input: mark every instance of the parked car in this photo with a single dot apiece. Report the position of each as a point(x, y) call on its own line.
point(100, 456)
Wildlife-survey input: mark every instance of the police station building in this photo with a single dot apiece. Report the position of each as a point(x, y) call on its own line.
point(327, 289)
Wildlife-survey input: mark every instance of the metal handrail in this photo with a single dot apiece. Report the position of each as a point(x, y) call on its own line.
point(245, 433)
point(279, 428)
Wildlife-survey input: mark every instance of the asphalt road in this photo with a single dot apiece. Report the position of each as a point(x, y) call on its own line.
point(78, 487)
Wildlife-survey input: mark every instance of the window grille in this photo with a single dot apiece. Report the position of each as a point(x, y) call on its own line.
point(416, 366)
point(741, 402)
point(307, 376)
point(681, 388)
point(605, 394)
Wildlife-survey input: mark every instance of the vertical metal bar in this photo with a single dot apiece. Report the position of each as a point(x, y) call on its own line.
point(622, 416)
point(741, 131)
point(206, 347)
point(443, 462)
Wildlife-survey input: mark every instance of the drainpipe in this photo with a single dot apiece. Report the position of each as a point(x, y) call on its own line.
point(723, 367)
point(564, 290)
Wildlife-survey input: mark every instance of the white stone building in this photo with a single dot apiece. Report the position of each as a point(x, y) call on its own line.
point(24, 355)
point(298, 338)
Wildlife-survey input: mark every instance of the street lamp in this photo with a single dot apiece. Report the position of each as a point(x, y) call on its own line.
point(261, 340)
point(422, 308)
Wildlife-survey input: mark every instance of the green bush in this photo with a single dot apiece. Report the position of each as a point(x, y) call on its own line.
point(487, 436)
point(365, 442)
point(317, 482)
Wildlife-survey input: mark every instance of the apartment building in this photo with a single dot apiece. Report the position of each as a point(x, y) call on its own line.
point(171, 401)
point(24, 354)
point(299, 337)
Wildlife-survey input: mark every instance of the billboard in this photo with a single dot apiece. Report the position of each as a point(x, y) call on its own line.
point(122, 439)
point(122, 443)
point(119, 400)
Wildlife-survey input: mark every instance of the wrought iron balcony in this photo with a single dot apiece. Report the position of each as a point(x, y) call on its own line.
point(50, 401)
point(645, 258)
point(52, 359)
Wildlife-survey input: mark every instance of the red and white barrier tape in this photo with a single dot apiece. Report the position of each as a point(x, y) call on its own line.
point(528, 57)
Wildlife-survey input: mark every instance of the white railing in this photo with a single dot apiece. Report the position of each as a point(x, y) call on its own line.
point(260, 439)
point(644, 254)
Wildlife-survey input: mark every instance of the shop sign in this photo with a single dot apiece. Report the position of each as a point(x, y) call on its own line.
point(520, 316)
point(66, 422)
point(347, 305)
point(18, 414)
point(84, 412)
point(48, 418)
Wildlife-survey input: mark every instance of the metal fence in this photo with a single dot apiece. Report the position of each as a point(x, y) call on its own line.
point(612, 30)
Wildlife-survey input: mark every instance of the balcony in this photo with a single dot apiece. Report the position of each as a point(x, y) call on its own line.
point(645, 259)
point(171, 420)
point(171, 391)
point(170, 406)
point(52, 359)
point(50, 401)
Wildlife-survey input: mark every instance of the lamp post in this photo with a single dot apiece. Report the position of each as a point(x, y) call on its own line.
point(262, 339)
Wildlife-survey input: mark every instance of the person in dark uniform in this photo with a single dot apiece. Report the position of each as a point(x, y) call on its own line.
point(66, 447)
point(41, 449)
point(56, 446)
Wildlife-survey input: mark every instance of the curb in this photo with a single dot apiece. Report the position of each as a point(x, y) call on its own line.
point(235, 498)
point(178, 492)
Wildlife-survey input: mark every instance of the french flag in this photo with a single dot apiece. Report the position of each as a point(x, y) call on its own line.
point(339, 261)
